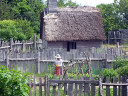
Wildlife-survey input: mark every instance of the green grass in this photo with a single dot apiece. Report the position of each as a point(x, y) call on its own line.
point(108, 45)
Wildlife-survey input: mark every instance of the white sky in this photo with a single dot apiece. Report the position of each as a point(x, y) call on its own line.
point(93, 2)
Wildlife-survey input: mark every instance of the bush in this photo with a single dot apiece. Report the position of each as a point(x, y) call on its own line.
point(120, 62)
point(109, 73)
point(12, 83)
point(123, 70)
point(16, 29)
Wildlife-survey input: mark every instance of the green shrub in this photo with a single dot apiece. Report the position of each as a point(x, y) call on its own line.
point(109, 73)
point(123, 70)
point(16, 29)
point(120, 62)
point(12, 83)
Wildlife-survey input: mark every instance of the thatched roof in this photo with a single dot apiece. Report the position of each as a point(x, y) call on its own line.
point(74, 23)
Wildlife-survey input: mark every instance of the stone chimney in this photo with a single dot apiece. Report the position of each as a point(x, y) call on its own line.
point(52, 6)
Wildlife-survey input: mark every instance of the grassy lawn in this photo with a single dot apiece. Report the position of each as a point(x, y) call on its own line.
point(108, 45)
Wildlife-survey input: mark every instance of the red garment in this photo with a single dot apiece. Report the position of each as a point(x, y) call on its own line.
point(57, 70)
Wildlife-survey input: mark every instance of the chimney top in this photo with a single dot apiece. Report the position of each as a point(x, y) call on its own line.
point(52, 6)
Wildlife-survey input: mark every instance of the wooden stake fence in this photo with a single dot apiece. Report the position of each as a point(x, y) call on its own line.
point(78, 86)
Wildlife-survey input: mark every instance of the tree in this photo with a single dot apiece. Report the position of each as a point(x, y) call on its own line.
point(111, 18)
point(26, 9)
point(16, 29)
point(64, 3)
point(122, 9)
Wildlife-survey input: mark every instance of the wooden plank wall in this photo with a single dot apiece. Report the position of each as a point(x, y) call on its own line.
point(27, 56)
point(33, 63)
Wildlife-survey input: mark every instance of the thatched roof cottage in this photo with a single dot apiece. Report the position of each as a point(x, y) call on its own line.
point(71, 27)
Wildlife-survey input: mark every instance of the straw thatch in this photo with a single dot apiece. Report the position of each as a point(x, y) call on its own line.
point(74, 23)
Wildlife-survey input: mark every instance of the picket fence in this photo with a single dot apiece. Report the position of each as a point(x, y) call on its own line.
point(43, 61)
point(78, 86)
point(21, 46)
point(30, 56)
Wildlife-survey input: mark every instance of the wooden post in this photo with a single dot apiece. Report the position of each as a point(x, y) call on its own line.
point(89, 66)
point(124, 87)
point(80, 87)
point(34, 85)
point(107, 86)
point(93, 88)
point(38, 62)
point(115, 38)
point(106, 56)
point(7, 60)
point(34, 42)
point(76, 86)
point(100, 87)
point(11, 43)
point(86, 87)
point(23, 46)
point(70, 88)
point(46, 88)
point(30, 91)
point(40, 86)
point(108, 37)
point(118, 46)
point(119, 87)
point(114, 87)
point(54, 86)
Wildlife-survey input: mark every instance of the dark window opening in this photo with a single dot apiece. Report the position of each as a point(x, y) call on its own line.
point(71, 45)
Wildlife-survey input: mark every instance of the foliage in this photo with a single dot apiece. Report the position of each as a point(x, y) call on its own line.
point(12, 83)
point(121, 7)
point(121, 66)
point(16, 29)
point(26, 9)
point(109, 73)
point(111, 18)
point(120, 62)
point(122, 70)
point(64, 3)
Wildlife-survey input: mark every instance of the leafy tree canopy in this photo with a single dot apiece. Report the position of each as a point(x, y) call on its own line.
point(24, 11)
point(16, 29)
point(112, 18)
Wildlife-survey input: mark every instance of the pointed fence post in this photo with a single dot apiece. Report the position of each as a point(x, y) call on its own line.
point(100, 87)
point(40, 86)
point(23, 46)
point(34, 42)
point(38, 62)
point(30, 91)
point(106, 57)
point(7, 60)
point(124, 87)
point(114, 87)
point(107, 86)
point(118, 46)
point(34, 85)
point(11, 43)
point(47, 87)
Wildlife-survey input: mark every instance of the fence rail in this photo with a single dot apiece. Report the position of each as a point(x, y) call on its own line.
point(79, 86)
point(29, 57)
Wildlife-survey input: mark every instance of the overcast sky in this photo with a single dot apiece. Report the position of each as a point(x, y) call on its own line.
point(92, 2)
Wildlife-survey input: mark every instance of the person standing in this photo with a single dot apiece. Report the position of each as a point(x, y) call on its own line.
point(58, 65)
